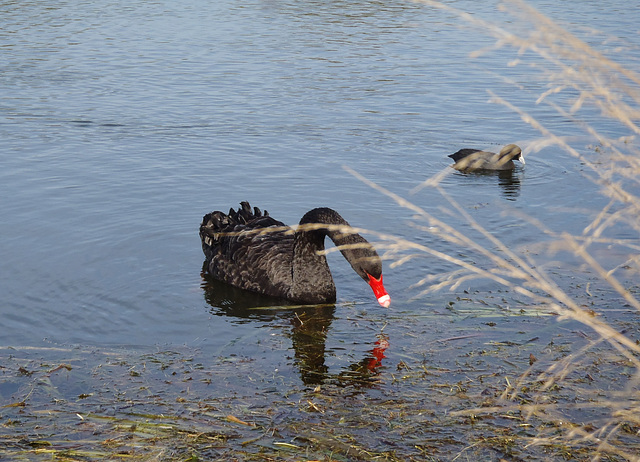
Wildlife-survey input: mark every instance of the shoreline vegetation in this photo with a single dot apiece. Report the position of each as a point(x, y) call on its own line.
point(566, 389)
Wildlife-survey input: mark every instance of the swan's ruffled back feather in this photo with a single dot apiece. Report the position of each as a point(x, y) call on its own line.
point(248, 249)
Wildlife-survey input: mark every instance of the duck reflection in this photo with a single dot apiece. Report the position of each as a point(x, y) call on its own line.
point(309, 327)
point(508, 180)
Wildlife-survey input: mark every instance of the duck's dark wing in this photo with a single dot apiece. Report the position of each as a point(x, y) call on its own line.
point(462, 153)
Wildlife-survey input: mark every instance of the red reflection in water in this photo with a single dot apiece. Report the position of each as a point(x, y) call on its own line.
point(378, 353)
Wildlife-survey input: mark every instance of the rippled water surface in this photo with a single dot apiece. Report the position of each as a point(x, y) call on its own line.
point(122, 124)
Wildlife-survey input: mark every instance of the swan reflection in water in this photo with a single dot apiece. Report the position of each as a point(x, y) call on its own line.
point(308, 334)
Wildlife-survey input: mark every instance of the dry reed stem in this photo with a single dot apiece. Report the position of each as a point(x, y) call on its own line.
point(536, 279)
point(570, 47)
point(610, 189)
point(599, 81)
point(554, 44)
point(595, 78)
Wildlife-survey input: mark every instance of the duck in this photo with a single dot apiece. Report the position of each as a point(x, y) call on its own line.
point(467, 160)
point(249, 249)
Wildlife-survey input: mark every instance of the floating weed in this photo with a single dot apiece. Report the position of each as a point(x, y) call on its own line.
point(416, 407)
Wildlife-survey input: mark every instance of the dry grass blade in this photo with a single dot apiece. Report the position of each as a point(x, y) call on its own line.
point(574, 68)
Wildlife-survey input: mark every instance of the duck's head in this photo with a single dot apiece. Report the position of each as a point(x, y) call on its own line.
point(511, 152)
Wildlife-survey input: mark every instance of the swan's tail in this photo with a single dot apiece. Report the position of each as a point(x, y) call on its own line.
point(215, 224)
point(220, 222)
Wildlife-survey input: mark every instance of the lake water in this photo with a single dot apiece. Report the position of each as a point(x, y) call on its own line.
point(123, 123)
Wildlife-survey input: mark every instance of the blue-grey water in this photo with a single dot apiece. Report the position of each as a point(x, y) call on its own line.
point(123, 123)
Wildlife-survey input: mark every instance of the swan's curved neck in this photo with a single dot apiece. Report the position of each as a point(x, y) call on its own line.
point(310, 270)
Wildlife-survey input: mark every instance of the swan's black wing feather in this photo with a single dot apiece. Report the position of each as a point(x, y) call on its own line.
point(248, 249)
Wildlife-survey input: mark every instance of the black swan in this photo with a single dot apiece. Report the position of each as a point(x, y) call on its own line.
point(473, 159)
point(251, 250)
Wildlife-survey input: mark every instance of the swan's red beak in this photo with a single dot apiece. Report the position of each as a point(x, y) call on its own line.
point(379, 291)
